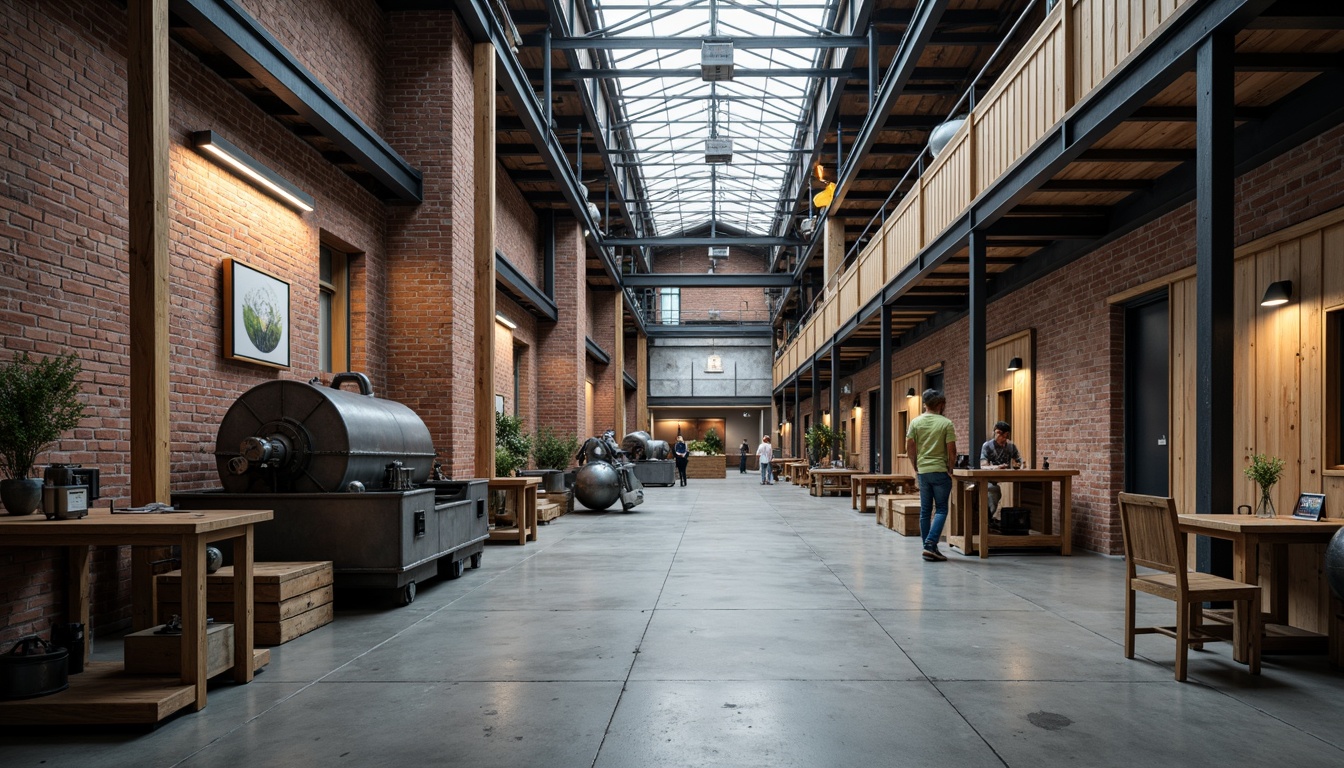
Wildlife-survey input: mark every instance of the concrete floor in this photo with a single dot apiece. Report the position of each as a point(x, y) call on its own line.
point(731, 624)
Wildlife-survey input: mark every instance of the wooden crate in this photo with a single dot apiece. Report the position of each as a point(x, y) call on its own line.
point(289, 599)
point(901, 516)
point(148, 653)
point(548, 511)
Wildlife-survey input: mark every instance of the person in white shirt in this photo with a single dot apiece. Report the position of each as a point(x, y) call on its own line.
point(764, 454)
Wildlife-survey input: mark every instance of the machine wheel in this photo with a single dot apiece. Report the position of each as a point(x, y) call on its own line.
point(407, 595)
point(476, 561)
point(454, 570)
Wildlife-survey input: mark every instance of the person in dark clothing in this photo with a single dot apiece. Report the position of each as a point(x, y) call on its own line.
point(682, 456)
point(742, 467)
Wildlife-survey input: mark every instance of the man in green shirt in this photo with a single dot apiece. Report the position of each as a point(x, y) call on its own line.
point(931, 444)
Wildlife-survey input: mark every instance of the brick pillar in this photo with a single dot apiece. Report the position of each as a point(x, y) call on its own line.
point(603, 332)
point(561, 354)
point(429, 247)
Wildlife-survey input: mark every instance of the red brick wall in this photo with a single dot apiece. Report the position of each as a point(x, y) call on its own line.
point(431, 296)
point(602, 330)
point(516, 232)
point(696, 302)
point(63, 232)
point(561, 360)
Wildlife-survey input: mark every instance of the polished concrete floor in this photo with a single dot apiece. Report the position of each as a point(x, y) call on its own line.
point(732, 624)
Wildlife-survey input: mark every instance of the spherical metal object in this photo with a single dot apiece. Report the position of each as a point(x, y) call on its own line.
point(1334, 564)
point(214, 559)
point(597, 486)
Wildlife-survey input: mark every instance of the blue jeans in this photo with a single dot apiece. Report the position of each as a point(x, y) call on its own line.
point(765, 473)
point(934, 490)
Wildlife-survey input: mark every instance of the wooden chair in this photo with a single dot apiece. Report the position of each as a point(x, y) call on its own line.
point(1153, 540)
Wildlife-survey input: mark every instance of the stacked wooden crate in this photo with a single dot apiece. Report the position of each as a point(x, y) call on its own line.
point(289, 599)
point(553, 505)
point(899, 512)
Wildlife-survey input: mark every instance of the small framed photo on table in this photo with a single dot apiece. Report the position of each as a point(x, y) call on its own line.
point(1309, 506)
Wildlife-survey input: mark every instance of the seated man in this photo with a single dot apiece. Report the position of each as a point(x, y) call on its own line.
point(998, 453)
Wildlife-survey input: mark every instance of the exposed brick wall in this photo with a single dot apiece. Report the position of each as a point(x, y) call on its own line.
point(516, 230)
point(63, 240)
point(731, 303)
point(602, 330)
point(342, 42)
point(432, 287)
point(561, 360)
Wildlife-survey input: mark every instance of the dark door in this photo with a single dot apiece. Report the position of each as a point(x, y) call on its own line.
point(1147, 401)
point(934, 380)
point(874, 435)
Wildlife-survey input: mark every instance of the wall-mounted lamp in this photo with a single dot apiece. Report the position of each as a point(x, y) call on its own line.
point(856, 403)
point(910, 392)
point(214, 146)
point(1015, 364)
point(506, 322)
point(1277, 293)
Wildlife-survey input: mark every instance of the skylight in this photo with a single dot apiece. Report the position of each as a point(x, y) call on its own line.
point(670, 118)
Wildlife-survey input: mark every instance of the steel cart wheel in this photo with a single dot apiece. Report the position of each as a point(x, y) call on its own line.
point(476, 561)
point(407, 595)
point(454, 570)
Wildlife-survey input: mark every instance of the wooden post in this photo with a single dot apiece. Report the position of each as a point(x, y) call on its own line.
point(483, 180)
point(833, 247)
point(642, 383)
point(147, 167)
point(618, 361)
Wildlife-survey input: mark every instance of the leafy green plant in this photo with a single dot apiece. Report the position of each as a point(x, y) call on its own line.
point(512, 445)
point(700, 445)
point(39, 401)
point(714, 442)
point(1264, 471)
point(819, 438)
point(552, 451)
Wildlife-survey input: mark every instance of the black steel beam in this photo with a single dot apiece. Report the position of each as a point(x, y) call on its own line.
point(675, 241)
point(1052, 227)
point(706, 330)
point(976, 344)
point(634, 43)
point(884, 374)
point(708, 401)
point(796, 431)
point(901, 70)
point(523, 290)
point(1136, 155)
point(1215, 283)
point(1301, 14)
point(629, 381)
point(244, 41)
point(707, 280)
point(596, 352)
point(836, 422)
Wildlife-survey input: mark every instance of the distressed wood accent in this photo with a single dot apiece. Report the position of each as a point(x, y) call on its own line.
point(483, 182)
point(618, 366)
point(1280, 388)
point(1022, 386)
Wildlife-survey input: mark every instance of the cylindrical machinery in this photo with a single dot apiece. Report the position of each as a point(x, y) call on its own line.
point(637, 445)
point(295, 437)
point(658, 449)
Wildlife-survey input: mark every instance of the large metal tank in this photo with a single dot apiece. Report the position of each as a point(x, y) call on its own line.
point(296, 437)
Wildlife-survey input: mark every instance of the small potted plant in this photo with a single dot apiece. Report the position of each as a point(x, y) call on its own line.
point(512, 448)
point(39, 402)
point(1265, 471)
point(554, 453)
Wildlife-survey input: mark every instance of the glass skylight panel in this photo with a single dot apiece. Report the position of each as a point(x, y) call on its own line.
point(670, 116)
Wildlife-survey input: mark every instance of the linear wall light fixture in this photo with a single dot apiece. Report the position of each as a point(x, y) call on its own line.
point(506, 322)
point(1277, 293)
point(219, 148)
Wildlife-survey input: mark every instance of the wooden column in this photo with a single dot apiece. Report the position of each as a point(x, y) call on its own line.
point(618, 361)
point(833, 247)
point(642, 384)
point(483, 181)
point(147, 167)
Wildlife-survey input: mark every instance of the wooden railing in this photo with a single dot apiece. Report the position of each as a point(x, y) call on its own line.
point(1074, 49)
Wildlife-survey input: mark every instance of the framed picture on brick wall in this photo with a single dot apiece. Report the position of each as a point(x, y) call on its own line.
point(256, 316)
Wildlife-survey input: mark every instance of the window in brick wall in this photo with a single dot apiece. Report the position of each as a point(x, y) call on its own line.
point(669, 306)
point(1334, 388)
point(333, 310)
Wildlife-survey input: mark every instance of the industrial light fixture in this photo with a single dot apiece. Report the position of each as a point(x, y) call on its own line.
point(857, 407)
point(506, 322)
point(1015, 364)
point(585, 231)
point(1277, 293)
point(716, 60)
point(215, 146)
point(719, 151)
point(910, 392)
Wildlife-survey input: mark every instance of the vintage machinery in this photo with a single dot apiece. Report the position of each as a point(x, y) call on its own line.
point(348, 476)
point(67, 490)
point(652, 466)
point(606, 476)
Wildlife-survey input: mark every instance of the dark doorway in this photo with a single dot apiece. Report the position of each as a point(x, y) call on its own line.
point(1147, 406)
point(874, 434)
point(934, 380)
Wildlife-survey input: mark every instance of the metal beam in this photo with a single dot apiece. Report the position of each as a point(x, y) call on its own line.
point(708, 280)
point(243, 40)
point(707, 330)
point(675, 241)
point(898, 75)
point(596, 352)
point(523, 290)
point(1054, 227)
point(884, 415)
point(976, 344)
point(635, 43)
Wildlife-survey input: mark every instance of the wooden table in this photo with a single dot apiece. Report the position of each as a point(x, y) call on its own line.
point(777, 465)
point(796, 472)
point(522, 495)
point(859, 485)
point(970, 533)
point(1247, 534)
point(102, 693)
point(835, 480)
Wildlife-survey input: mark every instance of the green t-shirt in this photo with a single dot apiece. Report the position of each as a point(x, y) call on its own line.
point(931, 433)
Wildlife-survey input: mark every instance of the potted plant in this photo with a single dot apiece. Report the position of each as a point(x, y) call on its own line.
point(512, 448)
point(700, 448)
point(1265, 471)
point(713, 442)
point(819, 438)
point(39, 401)
point(554, 453)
